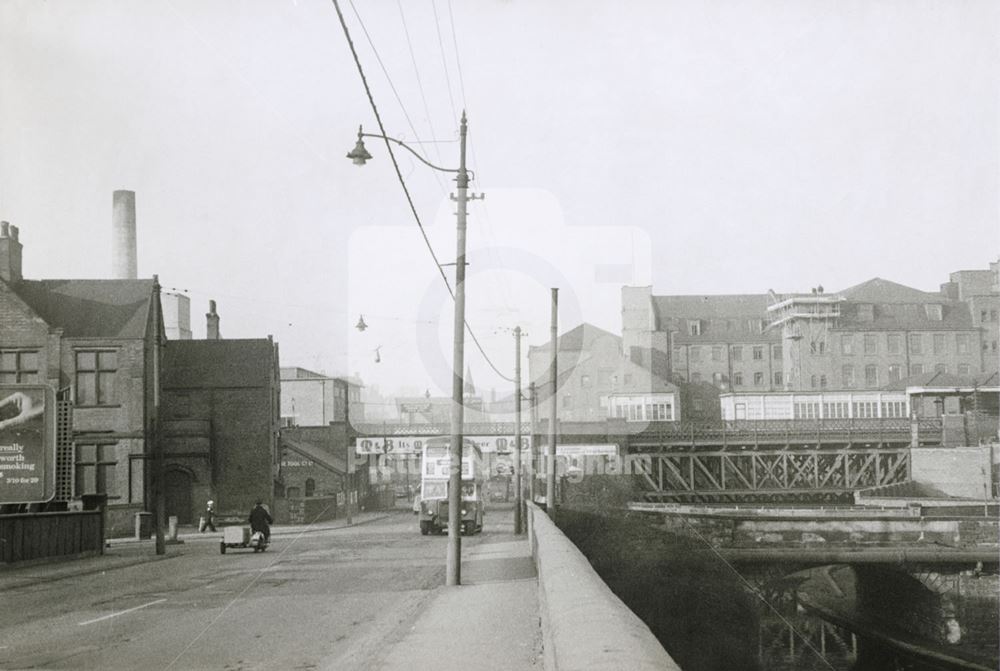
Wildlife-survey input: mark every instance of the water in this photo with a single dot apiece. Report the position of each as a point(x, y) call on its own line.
point(712, 616)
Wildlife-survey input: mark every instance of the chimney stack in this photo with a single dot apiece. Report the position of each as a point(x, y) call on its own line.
point(123, 250)
point(212, 322)
point(10, 253)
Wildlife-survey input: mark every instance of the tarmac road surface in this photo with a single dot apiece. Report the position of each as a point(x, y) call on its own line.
point(330, 598)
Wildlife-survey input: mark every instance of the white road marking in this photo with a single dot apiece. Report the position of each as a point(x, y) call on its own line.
point(121, 612)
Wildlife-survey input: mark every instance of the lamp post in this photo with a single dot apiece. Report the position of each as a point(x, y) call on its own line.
point(359, 155)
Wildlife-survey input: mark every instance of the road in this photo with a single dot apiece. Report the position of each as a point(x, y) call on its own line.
point(332, 598)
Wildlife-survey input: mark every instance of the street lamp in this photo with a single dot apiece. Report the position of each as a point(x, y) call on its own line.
point(359, 156)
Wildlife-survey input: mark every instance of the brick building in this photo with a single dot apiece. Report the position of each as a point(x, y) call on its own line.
point(880, 332)
point(596, 381)
point(864, 337)
point(220, 425)
point(94, 342)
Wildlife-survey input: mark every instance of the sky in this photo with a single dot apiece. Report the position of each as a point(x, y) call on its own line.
point(698, 147)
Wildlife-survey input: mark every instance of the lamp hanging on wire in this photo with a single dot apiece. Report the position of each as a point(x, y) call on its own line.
point(361, 325)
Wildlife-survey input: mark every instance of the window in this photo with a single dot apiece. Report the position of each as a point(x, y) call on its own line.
point(758, 353)
point(95, 378)
point(696, 377)
point(847, 376)
point(939, 344)
point(18, 367)
point(940, 368)
point(694, 327)
point(584, 380)
point(962, 343)
point(993, 315)
point(776, 352)
point(933, 311)
point(871, 375)
point(758, 378)
point(916, 343)
point(694, 353)
point(822, 381)
point(310, 487)
point(916, 369)
point(894, 343)
point(737, 379)
point(963, 369)
point(95, 470)
point(717, 353)
point(847, 344)
point(698, 405)
point(871, 343)
point(895, 372)
point(717, 379)
point(866, 312)
point(813, 381)
point(982, 315)
point(817, 347)
point(777, 378)
point(737, 352)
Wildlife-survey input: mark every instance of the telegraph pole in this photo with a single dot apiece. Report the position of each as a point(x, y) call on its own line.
point(159, 520)
point(518, 496)
point(550, 460)
point(532, 454)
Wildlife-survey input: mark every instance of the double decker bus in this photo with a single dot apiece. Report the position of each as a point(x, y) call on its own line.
point(434, 486)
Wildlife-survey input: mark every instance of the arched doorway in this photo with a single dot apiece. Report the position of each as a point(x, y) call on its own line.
point(178, 494)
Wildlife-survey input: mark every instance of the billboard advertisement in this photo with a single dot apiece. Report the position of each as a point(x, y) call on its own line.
point(415, 444)
point(27, 443)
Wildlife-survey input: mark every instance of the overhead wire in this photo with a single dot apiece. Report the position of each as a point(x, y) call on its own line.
point(402, 182)
point(505, 296)
point(416, 72)
point(444, 60)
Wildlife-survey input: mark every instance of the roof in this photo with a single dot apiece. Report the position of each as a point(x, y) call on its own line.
point(297, 373)
point(90, 308)
point(877, 290)
point(316, 454)
point(945, 380)
point(955, 316)
point(204, 364)
point(579, 338)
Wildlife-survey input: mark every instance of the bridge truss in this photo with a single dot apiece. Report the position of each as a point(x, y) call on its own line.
point(770, 475)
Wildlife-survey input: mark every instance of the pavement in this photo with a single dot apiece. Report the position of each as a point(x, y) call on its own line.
point(490, 622)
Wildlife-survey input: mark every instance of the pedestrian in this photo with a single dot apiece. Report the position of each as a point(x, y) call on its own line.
point(208, 518)
point(260, 520)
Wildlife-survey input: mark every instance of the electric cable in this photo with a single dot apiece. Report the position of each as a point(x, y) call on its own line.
point(402, 182)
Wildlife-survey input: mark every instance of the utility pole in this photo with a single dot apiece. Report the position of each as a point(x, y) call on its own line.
point(550, 461)
point(532, 454)
point(159, 520)
point(518, 496)
point(359, 156)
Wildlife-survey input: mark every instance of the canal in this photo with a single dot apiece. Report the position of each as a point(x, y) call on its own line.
point(713, 615)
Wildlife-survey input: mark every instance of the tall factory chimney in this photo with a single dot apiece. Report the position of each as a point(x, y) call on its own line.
point(123, 250)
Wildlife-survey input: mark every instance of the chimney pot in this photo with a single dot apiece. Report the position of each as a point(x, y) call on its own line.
point(14, 233)
point(212, 323)
point(4, 229)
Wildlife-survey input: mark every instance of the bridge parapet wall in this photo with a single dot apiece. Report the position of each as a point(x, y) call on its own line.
point(585, 626)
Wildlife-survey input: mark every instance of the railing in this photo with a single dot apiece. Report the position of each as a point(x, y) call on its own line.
point(439, 429)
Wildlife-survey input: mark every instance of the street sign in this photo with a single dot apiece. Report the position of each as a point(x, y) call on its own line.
point(27, 443)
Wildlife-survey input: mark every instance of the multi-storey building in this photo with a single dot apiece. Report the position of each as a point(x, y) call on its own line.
point(722, 340)
point(876, 333)
point(94, 342)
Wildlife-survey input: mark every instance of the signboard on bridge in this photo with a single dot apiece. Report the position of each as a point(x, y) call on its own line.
point(415, 444)
point(27, 443)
